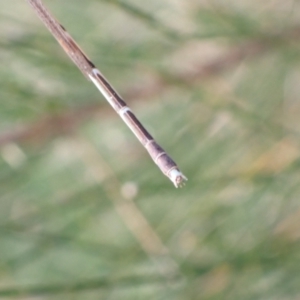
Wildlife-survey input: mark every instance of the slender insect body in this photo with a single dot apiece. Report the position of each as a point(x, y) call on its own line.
point(159, 156)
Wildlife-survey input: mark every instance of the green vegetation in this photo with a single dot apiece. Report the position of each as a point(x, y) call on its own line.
point(85, 213)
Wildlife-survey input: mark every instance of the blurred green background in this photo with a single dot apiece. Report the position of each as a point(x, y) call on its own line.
point(85, 213)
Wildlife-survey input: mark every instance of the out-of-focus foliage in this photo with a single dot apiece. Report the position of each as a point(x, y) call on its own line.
point(84, 212)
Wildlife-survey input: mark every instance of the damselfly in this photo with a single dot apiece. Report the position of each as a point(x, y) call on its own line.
point(159, 156)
